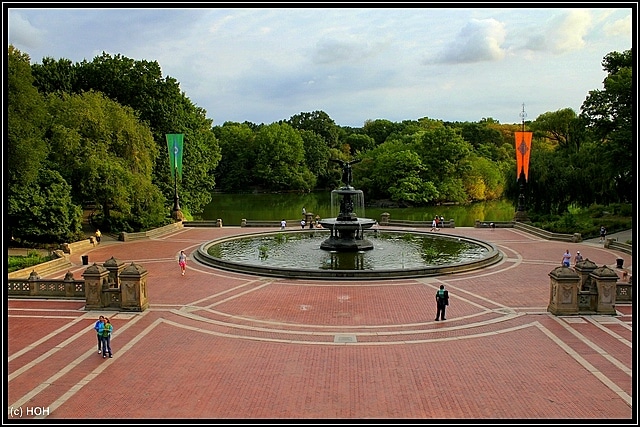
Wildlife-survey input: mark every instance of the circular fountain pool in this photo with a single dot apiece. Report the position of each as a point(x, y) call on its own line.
point(395, 254)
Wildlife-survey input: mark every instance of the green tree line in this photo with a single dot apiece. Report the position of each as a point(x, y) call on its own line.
point(95, 131)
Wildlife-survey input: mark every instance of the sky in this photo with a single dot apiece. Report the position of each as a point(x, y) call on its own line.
point(263, 65)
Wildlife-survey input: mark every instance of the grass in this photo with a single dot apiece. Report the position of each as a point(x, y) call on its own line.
point(32, 258)
point(587, 221)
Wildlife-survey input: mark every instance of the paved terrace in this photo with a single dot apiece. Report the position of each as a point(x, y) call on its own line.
point(221, 345)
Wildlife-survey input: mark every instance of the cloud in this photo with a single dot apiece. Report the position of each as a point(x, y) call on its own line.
point(562, 33)
point(23, 33)
point(621, 27)
point(480, 40)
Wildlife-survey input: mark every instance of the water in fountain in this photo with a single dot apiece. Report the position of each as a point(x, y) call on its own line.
point(347, 253)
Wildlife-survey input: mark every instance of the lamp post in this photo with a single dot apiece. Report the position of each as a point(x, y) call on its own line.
point(175, 143)
point(523, 151)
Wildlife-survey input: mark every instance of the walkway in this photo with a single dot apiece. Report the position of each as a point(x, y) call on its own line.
point(220, 345)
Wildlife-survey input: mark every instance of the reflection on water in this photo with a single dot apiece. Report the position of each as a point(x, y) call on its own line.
point(232, 208)
point(391, 251)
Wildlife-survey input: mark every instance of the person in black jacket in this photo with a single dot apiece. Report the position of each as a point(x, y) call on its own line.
point(442, 301)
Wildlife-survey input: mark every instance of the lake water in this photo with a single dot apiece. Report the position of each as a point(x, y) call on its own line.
point(232, 208)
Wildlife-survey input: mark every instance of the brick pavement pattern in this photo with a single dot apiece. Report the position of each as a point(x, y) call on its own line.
point(222, 345)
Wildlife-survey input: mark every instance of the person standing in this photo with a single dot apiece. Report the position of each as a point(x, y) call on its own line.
point(303, 223)
point(304, 211)
point(98, 235)
point(442, 301)
point(603, 233)
point(107, 330)
point(98, 326)
point(578, 257)
point(182, 261)
point(566, 258)
point(434, 224)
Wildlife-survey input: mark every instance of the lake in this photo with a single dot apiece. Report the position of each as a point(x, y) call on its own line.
point(232, 208)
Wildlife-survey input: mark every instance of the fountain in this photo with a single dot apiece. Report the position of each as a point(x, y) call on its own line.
point(347, 230)
point(347, 253)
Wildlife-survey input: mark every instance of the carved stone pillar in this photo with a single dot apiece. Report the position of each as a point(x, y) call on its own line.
point(563, 291)
point(115, 267)
point(95, 278)
point(384, 218)
point(133, 288)
point(606, 280)
point(584, 268)
point(69, 284)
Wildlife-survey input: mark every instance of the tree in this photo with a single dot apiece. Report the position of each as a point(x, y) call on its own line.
point(483, 180)
point(280, 162)
point(107, 155)
point(318, 122)
point(359, 143)
point(445, 155)
point(316, 157)
point(609, 114)
point(379, 129)
point(563, 127)
point(394, 171)
point(235, 169)
point(43, 212)
point(26, 118)
point(56, 76)
point(157, 101)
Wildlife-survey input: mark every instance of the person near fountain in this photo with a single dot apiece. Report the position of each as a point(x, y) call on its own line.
point(182, 261)
point(566, 258)
point(442, 301)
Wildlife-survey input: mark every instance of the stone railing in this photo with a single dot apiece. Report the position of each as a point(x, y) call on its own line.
point(256, 223)
point(67, 288)
point(573, 238)
point(211, 224)
point(387, 221)
point(156, 232)
point(79, 246)
point(110, 286)
point(496, 224)
point(612, 243)
point(624, 292)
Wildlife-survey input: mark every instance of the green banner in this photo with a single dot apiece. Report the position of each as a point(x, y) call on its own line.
point(174, 144)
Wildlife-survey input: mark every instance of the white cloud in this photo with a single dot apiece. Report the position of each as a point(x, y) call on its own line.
point(479, 40)
point(22, 33)
point(620, 27)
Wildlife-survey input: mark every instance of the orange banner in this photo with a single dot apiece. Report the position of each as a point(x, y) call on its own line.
point(523, 151)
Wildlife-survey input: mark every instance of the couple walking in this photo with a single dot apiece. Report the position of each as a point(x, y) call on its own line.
point(104, 329)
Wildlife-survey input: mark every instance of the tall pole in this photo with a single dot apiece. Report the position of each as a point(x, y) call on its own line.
point(177, 213)
point(521, 215)
point(176, 204)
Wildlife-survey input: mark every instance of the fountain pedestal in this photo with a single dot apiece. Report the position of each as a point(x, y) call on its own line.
point(347, 230)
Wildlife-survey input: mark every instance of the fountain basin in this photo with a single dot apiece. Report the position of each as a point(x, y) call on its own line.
point(303, 259)
point(347, 235)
